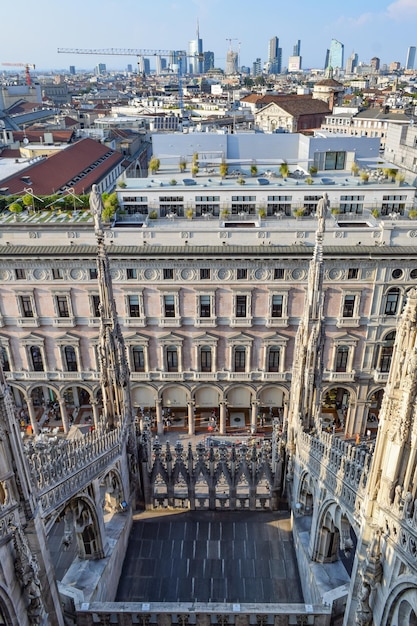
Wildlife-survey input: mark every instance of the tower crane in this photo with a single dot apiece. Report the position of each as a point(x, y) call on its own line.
point(180, 55)
point(27, 66)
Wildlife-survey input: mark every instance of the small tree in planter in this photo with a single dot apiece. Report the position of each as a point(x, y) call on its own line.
point(15, 208)
point(299, 213)
point(313, 170)
point(262, 213)
point(375, 213)
point(182, 165)
point(154, 165)
point(354, 169)
point(412, 214)
point(189, 214)
point(223, 169)
point(225, 213)
point(399, 178)
point(121, 184)
point(29, 202)
point(364, 176)
point(335, 211)
point(194, 169)
point(284, 169)
point(153, 215)
point(309, 180)
point(253, 170)
point(173, 182)
point(241, 181)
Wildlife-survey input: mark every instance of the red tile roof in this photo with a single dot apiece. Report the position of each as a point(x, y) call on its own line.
point(36, 136)
point(60, 170)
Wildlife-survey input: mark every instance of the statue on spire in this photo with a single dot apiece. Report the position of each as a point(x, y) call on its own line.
point(96, 208)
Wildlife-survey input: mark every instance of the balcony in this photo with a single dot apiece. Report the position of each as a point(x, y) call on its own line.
point(338, 377)
point(348, 322)
point(380, 377)
point(140, 376)
point(274, 376)
point(205, 375)
point(63, 322)
point(28, 322)
point(239, 376)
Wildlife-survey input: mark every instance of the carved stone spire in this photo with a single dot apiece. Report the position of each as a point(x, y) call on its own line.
point(307, 368)
point(114, 370)
point(393, 472)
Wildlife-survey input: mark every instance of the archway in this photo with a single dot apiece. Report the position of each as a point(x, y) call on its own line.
point(143, 400)
point(401, 604)
point(78, 401)
point(335, 538)
point(206, 410)
point(335, 408)
point(272, 401)
point(175, 407)
point(239, 399)
point(374, 406)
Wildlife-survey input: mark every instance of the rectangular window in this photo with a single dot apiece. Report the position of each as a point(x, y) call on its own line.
point(205, 308)
point(240, 359)
point(353, 273)
point(277, 306)
point(205, 360)
point(391, 302)
point(279, 205)
point(138, 359)
point(95, 305)
point(240, 306)
point(205, 273)
point(20, 274)
point(349, 306)
point(62, 306)
point(26, 305)
point(57, 274)
point(334, 161)
point(168, 273)
point(172, 359)
point(134, 310)
point(131, 273)
point(93, 273)
point(278, 273)
point(169, 306)
point(241, 274)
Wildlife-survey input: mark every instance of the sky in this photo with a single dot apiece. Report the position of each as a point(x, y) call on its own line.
point(33, 30)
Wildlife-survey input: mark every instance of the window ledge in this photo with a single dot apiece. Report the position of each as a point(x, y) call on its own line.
point(27, 321)
point(348, 322)
point(241, 321)
point(276, 321)
point(134, 321)
point(62, 322)
point(174, 322)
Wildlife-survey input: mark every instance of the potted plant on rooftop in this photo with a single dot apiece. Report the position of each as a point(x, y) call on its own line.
point(284, 170)
point(354, 169)
point(253, 170)
point(154, 165)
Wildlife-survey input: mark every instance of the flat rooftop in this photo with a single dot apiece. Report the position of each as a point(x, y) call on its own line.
point(205, 556)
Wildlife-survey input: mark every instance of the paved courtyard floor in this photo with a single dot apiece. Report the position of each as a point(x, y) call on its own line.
point(210, 557)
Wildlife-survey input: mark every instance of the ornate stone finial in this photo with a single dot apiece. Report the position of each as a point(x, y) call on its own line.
point(363, 615)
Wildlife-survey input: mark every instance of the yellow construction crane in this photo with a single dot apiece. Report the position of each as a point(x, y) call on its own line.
point(27, 66)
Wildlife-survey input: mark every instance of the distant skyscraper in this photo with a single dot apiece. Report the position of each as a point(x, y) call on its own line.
point(375, 63)
point(195, 50)
point(232, 59)
point(274, 56)
point(129, 68)
point(100, 69)
point(296, 51)
point(336, 53)
point(257, 67)
point(326, 59)
point(72, 70)
point(351, 63)
point(411, 57)
point(208, 63)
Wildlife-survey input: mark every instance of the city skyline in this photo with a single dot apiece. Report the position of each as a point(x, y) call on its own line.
point(384, 29)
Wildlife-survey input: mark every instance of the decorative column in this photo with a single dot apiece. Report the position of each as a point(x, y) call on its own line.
point(96, 415)
point(253, 417)
point(64, 415)
point(32, 416)
point(223, 418)
point(191, 424)
point(285, 415)
point(159, 422)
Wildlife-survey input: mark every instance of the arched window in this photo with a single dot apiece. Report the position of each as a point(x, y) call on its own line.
point(240, 358)
point(386, 352)
point(273, 359)
point(172, 359)
point(70, 359)
point(138, 358)
point(36, 356)
point(392, 300)
point(205, 359)
point(342, 356)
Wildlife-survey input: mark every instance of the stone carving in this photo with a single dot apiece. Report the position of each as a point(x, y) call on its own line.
point(96, 208)
point(27, 569)
point(363, 615)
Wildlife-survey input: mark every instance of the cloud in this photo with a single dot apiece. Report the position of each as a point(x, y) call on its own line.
point(401, 10)
point(356, 22)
